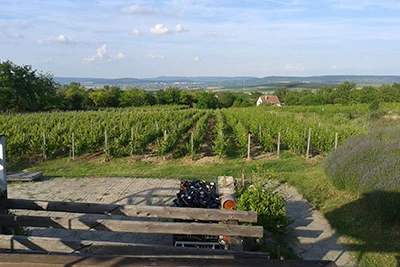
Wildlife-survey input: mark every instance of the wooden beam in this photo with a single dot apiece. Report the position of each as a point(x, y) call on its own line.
point(135, 211)
point(133, 226)
point(3, 179)
point(84, 247)
point(15, 259)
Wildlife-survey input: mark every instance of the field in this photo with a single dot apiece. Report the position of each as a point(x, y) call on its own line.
point(202, 144)
point(176, 133)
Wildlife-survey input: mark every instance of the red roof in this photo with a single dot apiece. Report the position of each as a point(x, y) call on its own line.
point(270, 99)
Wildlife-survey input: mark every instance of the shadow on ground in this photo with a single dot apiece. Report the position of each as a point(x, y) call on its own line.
point(379, 232)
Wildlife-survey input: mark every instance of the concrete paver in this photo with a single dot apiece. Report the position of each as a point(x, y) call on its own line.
point(98, 190)
point(314, 238)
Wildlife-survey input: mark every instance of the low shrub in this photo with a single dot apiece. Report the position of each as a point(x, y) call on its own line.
point(370, 165)
point(269, 205)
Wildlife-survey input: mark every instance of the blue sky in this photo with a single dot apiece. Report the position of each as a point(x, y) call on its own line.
point(110, 39)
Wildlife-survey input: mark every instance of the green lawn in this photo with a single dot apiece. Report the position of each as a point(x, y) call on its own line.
point(374, 244)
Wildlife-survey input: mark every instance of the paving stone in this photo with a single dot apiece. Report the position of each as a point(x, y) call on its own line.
point(315, 239)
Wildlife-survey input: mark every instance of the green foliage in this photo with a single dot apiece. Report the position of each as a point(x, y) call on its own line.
point(344, 94)
point(368, 164)
point(205, 100)
point(128, 131)
point(269, 205)
point(374, 105)
point(221, 141)
point(24, 89)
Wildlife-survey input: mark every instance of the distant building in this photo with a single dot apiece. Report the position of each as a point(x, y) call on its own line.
point(269, 100)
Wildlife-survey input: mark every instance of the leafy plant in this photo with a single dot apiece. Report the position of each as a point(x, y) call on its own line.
point(269, 205)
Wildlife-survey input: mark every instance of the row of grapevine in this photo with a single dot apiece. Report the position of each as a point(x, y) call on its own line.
point(190, 144)
point(221, 140)
point(123, 132)
point(167, 143)
point(240, 131)
point(264, 125)
point(51, 133)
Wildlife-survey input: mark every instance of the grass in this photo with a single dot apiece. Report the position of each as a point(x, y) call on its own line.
point(373, 243)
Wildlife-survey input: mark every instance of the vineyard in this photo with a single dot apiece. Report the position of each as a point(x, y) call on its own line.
point(172, 132)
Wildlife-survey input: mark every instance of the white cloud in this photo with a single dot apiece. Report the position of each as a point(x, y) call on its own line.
point(120, 55)
point(334, 67)
point(159, 29)
point(47, 60)
point(135, 32)
point(140, 10)
point(196, 59)
point(101, 52)
point(179, 28)
point(61, 39)
point(154, 56)
point(294, 67)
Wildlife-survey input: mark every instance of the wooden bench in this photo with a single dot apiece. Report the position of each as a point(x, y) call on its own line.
point(161, 222)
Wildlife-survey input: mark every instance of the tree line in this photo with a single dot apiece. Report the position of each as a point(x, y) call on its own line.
point(346, 93)
point(23, 89)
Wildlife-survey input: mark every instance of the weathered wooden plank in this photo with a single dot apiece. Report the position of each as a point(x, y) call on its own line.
point(135, 211)
point(133, 226)
point(12, 260)
point(85, 247)
point(24, 176)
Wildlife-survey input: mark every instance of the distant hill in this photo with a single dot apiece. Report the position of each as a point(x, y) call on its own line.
point(328, 79)
point(242, 81)
point(165, 79)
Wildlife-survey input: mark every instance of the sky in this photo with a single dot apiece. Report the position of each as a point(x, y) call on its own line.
point(139, 39)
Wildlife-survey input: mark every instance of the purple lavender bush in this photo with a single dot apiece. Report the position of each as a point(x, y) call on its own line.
point(370, 165)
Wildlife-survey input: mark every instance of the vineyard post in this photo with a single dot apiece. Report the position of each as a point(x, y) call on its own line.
point(165, 141)
point(308, 143)
point(23, 141)
point(336, 140)
point(248, 147)
point(278, 150)
point(73, 145)
point(132, 135)
point(105, 143)
point(192, 143)
point(243, 174)
point(3, 178)
point(158, 138)
point(91, 126)
point(259, 132)
point(44, 146)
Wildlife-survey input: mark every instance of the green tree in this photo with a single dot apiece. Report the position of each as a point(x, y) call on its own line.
point(172, 96)
point(24, 89)
point(160, 97)
point(75, 96)
point(324, 95)
point(281, 94)
point(342, 93)
point(225, 99)
point(205, 100)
